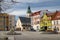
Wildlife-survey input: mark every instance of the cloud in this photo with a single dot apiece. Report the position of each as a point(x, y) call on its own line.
point(52, 8)
point(22, 12)
point(36, 5)
point(32, 1)
point(41, 3)
point(18, 12)
point(28, 1)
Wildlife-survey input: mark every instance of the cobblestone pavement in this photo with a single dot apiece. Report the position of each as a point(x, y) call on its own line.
point(35, 36)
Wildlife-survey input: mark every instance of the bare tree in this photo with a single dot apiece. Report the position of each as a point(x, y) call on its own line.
point(6, 4)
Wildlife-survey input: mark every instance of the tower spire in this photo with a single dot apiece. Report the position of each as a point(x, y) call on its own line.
point(28, 12)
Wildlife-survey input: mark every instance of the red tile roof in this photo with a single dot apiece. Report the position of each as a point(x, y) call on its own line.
point(36, 13)
point(50, 14)
point(56, 16)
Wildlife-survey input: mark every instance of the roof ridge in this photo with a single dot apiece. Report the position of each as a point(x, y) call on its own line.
point(54, 15)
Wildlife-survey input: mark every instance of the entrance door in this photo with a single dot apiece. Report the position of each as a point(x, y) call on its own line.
point(45, 28)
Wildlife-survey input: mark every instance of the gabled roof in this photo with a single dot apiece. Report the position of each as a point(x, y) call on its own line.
point(36, 13)
point(50, 14)
point(56, 16)
point(40, 12)
point(25, 20)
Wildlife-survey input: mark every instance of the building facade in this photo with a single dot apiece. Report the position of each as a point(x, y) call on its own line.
point(45, 23)
point(23, 24)
point(12, 21)
point(35, 20)
point(5, 21)
point(56, 20)
point(19, 25)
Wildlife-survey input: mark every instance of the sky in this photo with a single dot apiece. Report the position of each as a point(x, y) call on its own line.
point(20, 9)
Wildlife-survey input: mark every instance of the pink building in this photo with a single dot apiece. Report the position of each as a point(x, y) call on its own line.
point(35, 20)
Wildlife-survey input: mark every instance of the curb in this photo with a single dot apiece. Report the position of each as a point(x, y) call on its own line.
point(49, 33)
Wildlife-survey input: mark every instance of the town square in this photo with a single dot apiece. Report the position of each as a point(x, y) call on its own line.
point(29, 19)
point(32, 36)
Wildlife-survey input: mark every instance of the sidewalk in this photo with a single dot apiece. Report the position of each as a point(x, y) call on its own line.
point(49, 32)
point(58, 32)
point(3, 36)
point(10, 38)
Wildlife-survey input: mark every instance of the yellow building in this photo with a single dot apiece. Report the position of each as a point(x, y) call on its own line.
point(45, 23)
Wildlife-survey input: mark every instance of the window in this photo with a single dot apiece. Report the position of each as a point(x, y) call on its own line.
point(49, 21)
point(10, 21)
point(37, 22)
point(58, 21)
point(53, 23)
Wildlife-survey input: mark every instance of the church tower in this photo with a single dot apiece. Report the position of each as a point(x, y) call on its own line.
point(28, 12)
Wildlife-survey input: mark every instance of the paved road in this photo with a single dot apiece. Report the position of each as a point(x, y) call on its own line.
point(35, 36)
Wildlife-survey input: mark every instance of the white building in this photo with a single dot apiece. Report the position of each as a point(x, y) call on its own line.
point(56, 20)
point(19, 24)
point(12, 21)
point(23, 23)
point(35, 20)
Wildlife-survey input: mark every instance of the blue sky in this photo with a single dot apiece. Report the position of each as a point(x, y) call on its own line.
point(20, 9)
point(36, 5)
